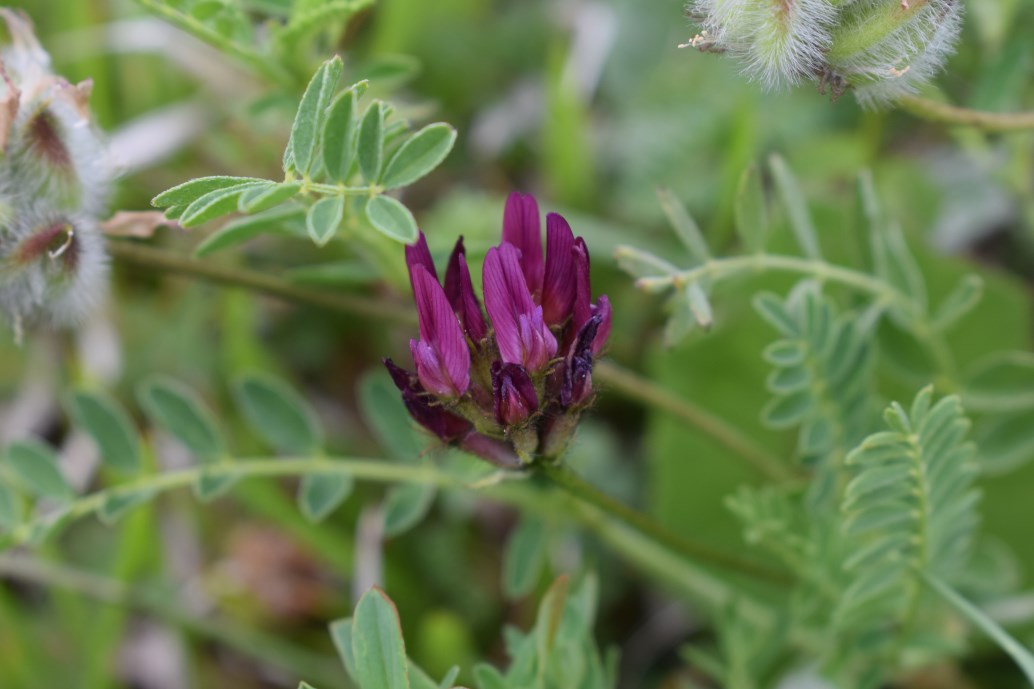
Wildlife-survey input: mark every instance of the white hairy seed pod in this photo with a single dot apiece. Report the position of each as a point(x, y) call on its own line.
point(885, 49)
point(779, 42)
point(53, 267)
point(53, 185)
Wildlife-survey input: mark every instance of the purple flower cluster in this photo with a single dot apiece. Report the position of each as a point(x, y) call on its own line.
point(508, 388)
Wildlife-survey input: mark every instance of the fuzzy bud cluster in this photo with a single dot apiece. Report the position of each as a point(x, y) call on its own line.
point(53, 183)
point(879, 49)
point(509, 387)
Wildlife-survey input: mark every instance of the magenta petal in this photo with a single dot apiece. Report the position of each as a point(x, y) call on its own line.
point(522, 227)
point(582, 310)
point(559, 285)
point(460, 291)
point(446, 425)
point(442, 343)
point(418, 254)
point(513, 393)
point(506, 297)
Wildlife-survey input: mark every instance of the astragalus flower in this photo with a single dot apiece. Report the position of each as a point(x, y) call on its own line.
point(509, 388)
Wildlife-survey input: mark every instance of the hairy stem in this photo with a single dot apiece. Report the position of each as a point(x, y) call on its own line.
point(944, 113)
point(623, 381)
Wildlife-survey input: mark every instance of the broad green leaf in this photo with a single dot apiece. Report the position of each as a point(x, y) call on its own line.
point(391, 218)
point(178, 409)
point(386, 416)
point(370, 144)
point(36, 465)
point(119, 504)
point(279, 415)
point(324, 218)
point(320, 494)
point(279, 221)
point(750, 213)
point(213, 205)
point(685, 227)
point(109, 426)
point(10, 508)
point(262, 198)
point(188, 192)
point(524, 557)
point(421, 154)
point(305, 685)
point(405, 506)
point(341, 634)
point(308, 121)
point(377, 645)
point(796, 206)
point(340, 133)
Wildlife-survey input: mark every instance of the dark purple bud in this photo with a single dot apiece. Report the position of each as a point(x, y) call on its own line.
point(520, 331)
point(559, 285)
point(577, 383)
point(460, 291)
point(441, 355)
point(419, 255)
point(491, 450)
point(513, 392)
point(522, 227)
point(444, 424)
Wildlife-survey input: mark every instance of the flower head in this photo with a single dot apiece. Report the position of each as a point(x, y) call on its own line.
point(509, 387)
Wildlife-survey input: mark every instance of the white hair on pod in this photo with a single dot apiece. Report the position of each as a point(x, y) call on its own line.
point(54, 182)
point(53, 266)
point(779, 42)
point(907, 57)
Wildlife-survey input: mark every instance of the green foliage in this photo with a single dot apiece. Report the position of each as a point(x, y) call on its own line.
point(909, 510)
point(330, 142)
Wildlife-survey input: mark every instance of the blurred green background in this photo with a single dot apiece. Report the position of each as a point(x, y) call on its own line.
point(591, 106)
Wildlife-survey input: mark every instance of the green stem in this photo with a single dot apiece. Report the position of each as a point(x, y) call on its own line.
point(569, 482)
point(166, 261)
point(882, 293)
point(944, 113)
point(625, 382)
point(514, 491)
point(193, 26)
point(635, 386)
point(264, 648)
